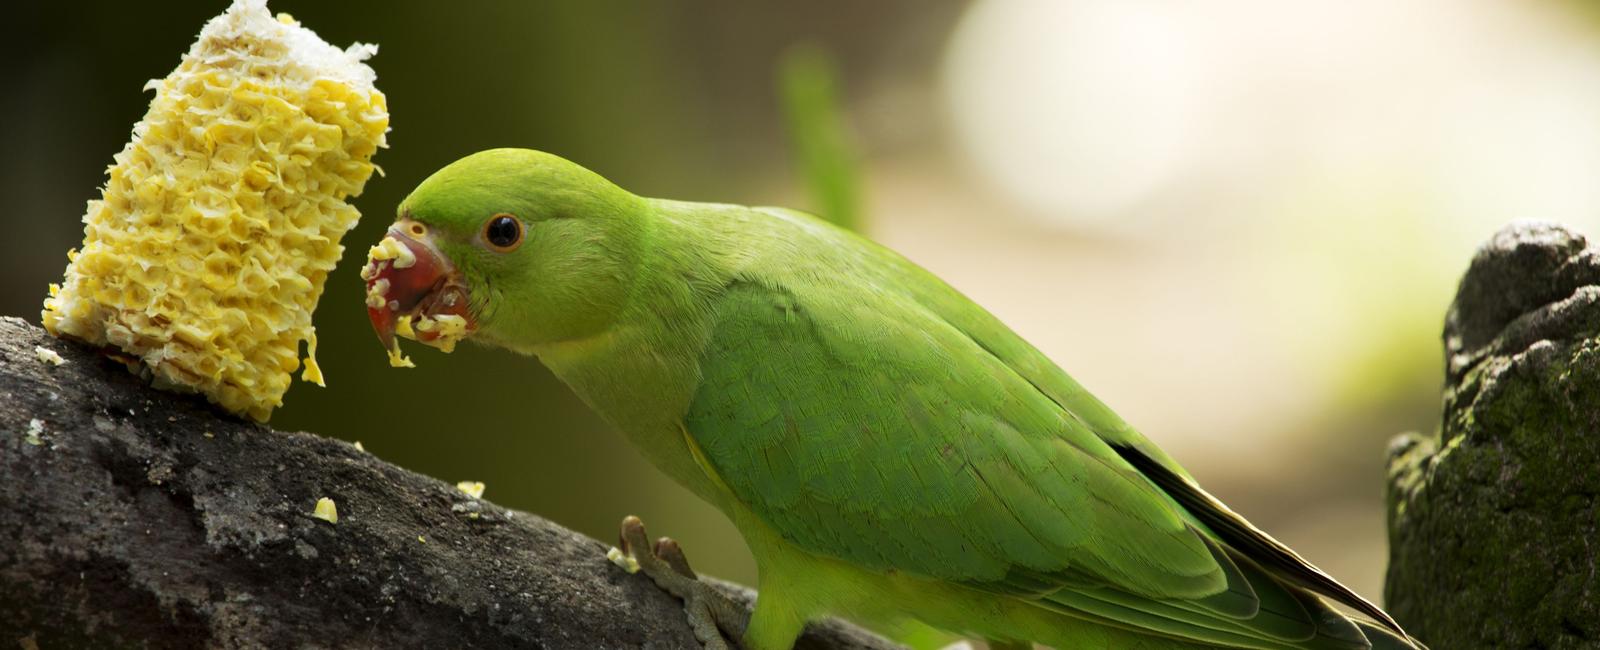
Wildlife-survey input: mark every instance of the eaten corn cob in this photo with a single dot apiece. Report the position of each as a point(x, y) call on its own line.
point(208, 250)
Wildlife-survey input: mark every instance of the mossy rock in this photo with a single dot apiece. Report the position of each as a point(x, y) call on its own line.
point(1493, 520)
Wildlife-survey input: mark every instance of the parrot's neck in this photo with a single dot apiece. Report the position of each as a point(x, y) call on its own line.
point(641, 374)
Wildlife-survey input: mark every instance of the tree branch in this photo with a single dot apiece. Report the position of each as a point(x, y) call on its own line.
point(133, 517)
point(1493, 520)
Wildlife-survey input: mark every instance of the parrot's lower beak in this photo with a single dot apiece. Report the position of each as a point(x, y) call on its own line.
point(408, 279)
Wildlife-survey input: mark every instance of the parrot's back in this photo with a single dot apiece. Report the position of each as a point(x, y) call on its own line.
point(869, 413)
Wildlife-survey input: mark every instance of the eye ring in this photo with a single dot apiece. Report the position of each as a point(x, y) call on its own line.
point(502, 233)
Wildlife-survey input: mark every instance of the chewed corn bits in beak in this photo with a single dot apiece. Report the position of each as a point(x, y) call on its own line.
point(220, 222)
point(414, 292)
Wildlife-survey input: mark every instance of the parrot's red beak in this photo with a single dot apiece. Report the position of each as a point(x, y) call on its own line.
point(407, 276)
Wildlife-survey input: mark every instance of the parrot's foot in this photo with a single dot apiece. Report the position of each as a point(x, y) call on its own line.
point(711, 613)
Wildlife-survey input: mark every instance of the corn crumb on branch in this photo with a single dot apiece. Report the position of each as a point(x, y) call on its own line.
point(208, 250)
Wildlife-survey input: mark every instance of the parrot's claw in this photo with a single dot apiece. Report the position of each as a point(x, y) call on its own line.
point(710, 612)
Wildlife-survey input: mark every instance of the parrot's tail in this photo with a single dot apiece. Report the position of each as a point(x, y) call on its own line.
point(1252, 546)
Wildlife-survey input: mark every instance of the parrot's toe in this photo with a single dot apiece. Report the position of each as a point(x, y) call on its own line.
point(710, 612)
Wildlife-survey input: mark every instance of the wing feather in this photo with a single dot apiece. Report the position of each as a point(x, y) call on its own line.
point(872, 433)
point(889, 422)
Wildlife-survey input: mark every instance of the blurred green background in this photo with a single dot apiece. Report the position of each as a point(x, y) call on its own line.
point(1238, 222)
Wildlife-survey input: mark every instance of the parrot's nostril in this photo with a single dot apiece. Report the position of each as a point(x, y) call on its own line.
point(418, 230)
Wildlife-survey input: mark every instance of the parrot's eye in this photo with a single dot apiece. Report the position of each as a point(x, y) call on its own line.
point(503, 233)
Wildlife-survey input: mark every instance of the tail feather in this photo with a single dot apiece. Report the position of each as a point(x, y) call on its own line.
point(1240, 535)
point(1286, 617)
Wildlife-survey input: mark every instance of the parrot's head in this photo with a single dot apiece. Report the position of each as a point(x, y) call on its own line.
point(511, 247)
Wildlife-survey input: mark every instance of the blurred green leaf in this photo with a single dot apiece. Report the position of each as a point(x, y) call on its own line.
point(808, 85)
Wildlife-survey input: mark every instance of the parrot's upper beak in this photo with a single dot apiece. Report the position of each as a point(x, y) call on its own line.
point(407, 278)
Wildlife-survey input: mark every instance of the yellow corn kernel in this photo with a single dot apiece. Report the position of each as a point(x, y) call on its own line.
point(390, 248)
point(472, 489)
point(207, 252)
point(626, 562)
point(47, 355)
point(403, 329)
point(313, 372)
point(398, 360)
point(448, 328)
point(326, 510)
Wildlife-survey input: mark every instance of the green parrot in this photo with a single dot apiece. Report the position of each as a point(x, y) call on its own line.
point(889, 450)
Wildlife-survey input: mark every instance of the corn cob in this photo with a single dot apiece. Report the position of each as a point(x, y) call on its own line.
point(209, 247)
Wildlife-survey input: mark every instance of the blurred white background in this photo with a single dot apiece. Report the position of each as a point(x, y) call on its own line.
point(1240, 222)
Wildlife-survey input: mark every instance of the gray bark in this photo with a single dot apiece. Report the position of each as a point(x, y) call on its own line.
point(1493, 519)
point(136, 518)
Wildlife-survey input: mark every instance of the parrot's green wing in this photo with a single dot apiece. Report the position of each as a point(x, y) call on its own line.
point(868, 412)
